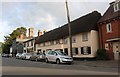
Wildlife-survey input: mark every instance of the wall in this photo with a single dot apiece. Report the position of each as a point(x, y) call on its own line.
point(92, 42)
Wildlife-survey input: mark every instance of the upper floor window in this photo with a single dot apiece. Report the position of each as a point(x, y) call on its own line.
point(27, 44)
point(44, 44)
point(52, 43)
point(65, 41)
point(73, 39)
point(57, 41)
point(84, 36)
point(117, 6)
point(108, 27)
point(31, 43)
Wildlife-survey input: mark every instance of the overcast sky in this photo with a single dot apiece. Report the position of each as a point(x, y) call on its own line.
point(43, 14)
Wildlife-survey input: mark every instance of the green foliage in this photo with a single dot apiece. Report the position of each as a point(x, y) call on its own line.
point(8, 39)
point(5, 48)
point(101, 54)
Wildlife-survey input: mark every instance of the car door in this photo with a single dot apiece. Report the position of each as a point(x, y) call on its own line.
point(49, 55)
point(53, 56)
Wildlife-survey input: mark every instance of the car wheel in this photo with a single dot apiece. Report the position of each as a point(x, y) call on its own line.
point(46, 60)
point(30, 59)
point(58, 61)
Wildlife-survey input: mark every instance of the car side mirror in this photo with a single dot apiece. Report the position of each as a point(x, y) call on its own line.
point(55, 54)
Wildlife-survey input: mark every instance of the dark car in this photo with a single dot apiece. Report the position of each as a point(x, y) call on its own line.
point(5, 55)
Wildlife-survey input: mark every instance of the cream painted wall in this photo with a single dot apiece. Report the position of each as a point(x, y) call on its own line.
point(92, 42)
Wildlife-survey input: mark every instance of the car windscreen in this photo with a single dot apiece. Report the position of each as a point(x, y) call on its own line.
point(61, 53)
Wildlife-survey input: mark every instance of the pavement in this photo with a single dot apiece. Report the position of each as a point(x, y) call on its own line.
point(110, 63)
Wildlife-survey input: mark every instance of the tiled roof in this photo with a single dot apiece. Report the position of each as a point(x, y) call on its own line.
point(82, 24)
point(109, 14)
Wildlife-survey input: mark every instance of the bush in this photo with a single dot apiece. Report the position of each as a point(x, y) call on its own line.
point(101, 54)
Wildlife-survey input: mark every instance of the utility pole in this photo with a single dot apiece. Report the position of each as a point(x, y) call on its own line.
point(70, 36)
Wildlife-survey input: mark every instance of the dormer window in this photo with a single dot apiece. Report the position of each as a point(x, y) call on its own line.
point(116, 6)
point(119, 5)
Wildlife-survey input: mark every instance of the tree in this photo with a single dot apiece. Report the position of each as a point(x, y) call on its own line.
point(8, 39)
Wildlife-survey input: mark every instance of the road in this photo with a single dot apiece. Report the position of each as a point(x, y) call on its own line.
point(12, 66)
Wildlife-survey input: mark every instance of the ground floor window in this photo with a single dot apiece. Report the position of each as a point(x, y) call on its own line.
point(66, 51)
point(48, 49)
point(39, 51)
point(86, 50)
point(75, 51)
point(58, 49)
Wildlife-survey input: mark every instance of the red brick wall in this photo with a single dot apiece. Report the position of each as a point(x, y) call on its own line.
point(103, 35)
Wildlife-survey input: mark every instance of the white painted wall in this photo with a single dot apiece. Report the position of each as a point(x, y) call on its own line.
point(92, 42)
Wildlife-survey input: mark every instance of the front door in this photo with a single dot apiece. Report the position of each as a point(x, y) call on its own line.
point(116, 50)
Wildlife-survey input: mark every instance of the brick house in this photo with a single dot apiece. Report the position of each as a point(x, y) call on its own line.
point(109, 30)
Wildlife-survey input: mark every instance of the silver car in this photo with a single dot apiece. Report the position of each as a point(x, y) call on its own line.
point(38, 56)
point(18, 55)
point(58, 57)
point(23, 55)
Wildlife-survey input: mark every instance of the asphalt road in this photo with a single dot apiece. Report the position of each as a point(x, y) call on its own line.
point(12, 66)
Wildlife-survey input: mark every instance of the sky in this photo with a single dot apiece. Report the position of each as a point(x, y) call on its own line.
point(44, 14)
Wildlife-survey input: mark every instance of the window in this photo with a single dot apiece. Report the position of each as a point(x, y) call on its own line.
point(73, 40)
point(27, 44)
point(117, 6)
point(108, 26)
point(31, 43)
point(85, 37)
point(24, 45)
point(57, 41)
point(43, 44)
point(85, 50)
point(52, 43)
point(65, 41)
point(106, 46)
point(75, 51)
point(66, 50)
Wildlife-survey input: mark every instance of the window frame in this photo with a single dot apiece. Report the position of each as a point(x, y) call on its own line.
point(84, 38)
point(74, 51)
point(108, 27)
point(88, 50)
point(73, 39)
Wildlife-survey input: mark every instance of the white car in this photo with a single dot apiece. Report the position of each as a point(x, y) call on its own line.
point(58, 57)
point(28, 55)
point(18, 55)
point(23, 56)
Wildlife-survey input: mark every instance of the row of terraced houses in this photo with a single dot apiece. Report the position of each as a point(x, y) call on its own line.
point(89, 33)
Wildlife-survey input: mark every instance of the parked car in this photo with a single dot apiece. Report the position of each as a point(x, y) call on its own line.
point(28, 55)
point(5, 55)
point(18, 55)
point(58, 57)
point(23, 56)
point(38, 56)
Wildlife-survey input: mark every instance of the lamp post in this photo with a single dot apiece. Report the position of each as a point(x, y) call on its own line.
point(70, 36)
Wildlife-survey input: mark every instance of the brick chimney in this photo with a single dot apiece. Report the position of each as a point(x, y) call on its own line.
point(44, 31)
point(31, 32)
point(39, 33)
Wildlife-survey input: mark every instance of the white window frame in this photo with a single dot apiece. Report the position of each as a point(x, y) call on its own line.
point(85, 36)
point(108, 27)
point(116, 6)
point(65, 40)
point(106, 46)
